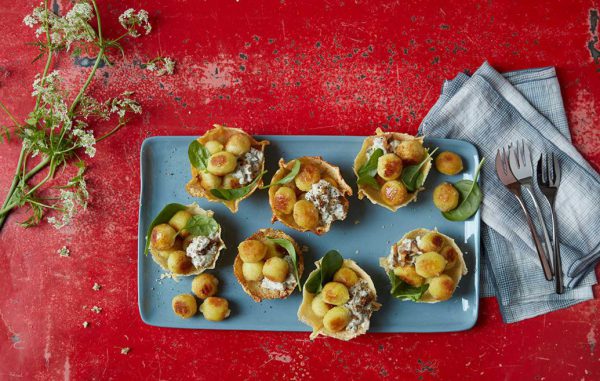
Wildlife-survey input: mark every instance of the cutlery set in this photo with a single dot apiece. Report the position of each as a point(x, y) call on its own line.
point(515, 170)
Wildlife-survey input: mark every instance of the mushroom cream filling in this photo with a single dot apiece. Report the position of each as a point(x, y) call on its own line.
point(326, 198)
point(404, 253)
point(360, 306)
point(248, 166)
point(289, 282)
point(378, 142)
point(203, 250)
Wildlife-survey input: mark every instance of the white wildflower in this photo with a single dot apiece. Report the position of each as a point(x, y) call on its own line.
point(30, 21)
point(96, 287)
point(161, 66)
point(63, 252)
point(86, 140)
point(85, 324)
point(121, 105)
point(96, 309)
point(125, 350)
point(68, 208)
point(134, 22)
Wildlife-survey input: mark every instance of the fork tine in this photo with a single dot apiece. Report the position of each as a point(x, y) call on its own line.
point(517, 154)
point(540, 175)
point(556, 168)
point(548, 170)
point(513, 158)
point(522, 153)
point(526, 155)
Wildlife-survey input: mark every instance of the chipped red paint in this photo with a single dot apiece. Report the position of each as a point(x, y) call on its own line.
point(279, 67)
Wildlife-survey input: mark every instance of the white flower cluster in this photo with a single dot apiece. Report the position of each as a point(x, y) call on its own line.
point(74, 26)
point(85, 139)
point(69, 201)
point(134, 22)
point(63, 251)
point(161, 66)
point(121, 105)
point(53, 100)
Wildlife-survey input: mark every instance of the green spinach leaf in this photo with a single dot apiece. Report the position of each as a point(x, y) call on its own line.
point(198, 155)
point(289, 177)
point(470, 196)
point(289, 247)
point(163, 217)
point(403, 291)
point(236, 193)
point(412, 176)
point(201, 225)
point(331, 262)
point(367, 172)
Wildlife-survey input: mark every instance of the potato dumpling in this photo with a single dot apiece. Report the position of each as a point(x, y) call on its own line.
point(335, 293)
point(213, 146)
point(163, 236)
point(179, 220)
point(346, 276)
point(448, 163)
point(221, 163)
point(430, 264)
point(309, 174)
point(184, 306)
point(441, 287)
point(445, 197)
point(215, 309)
point(451, 256)
point(179, 263)
point(252, 250)
point(389, 167)
point(273, 249)
point(432, 241)
point(318, 306)
point(284, 200)
point(331, 181)
point(238, 144)
point(409, 275)
point(253, 271)
point(305, 214)
point(231, 182)
point(410, 151)
point(276, 269)
point(210, 181)
point(164, 254)
point(205, 285)
point(393, 193)
point(336, 319)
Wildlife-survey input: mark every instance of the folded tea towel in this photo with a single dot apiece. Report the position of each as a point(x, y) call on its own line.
point(490, 110)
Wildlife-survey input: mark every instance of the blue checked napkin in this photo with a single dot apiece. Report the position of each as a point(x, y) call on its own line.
point(490, 110)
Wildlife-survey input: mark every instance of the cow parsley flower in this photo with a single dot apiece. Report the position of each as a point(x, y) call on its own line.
point(68, 208)
point(63, 252)
point(86, 140)
point(134, 22)
point(161, 66)
point(123, 104)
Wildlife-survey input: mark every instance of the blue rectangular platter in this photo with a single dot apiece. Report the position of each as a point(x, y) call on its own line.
point(365, 236)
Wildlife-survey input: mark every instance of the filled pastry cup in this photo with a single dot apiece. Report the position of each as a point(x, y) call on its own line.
point(180, 252)
point(389, 185)
point(227, 165)
point(424, 266)
point(343, 308)
point(313, 199)
point(262, 277)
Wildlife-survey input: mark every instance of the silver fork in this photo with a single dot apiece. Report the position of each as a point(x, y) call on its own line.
point(549, 182)
point(508, 179)
point(522, 168)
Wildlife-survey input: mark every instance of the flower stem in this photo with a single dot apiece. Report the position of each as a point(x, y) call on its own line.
point(10, 115)
point(48, 60)
point(13, 186)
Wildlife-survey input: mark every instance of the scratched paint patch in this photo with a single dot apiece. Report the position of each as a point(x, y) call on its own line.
point(583, 116)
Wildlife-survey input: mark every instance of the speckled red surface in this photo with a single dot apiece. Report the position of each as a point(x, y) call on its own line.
point(284, 67)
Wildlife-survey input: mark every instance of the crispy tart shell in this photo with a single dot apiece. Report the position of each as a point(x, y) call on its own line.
point(222, 134)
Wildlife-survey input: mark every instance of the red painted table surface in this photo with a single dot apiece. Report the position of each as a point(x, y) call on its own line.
point(285, 67)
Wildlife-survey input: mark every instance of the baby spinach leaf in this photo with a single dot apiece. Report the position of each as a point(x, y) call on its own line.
point(201, 225)
point(198, 155)
point(331, 262)
point(412, 176)
point(368, 170)
point(163, 217)
point(404, 291)
point(289, 177)
point(470, 196)
point(289, 247)
point(236, 193)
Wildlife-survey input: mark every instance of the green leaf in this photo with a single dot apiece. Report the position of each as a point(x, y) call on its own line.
point(289, 247)
point(412, 176)
point(236, 193)
point(368, 170)
point(403, 291)
point(289, 177)
point(201, 225)
point(331, 262)
point(198, 155)
point(470, 196)
point(163, 217)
